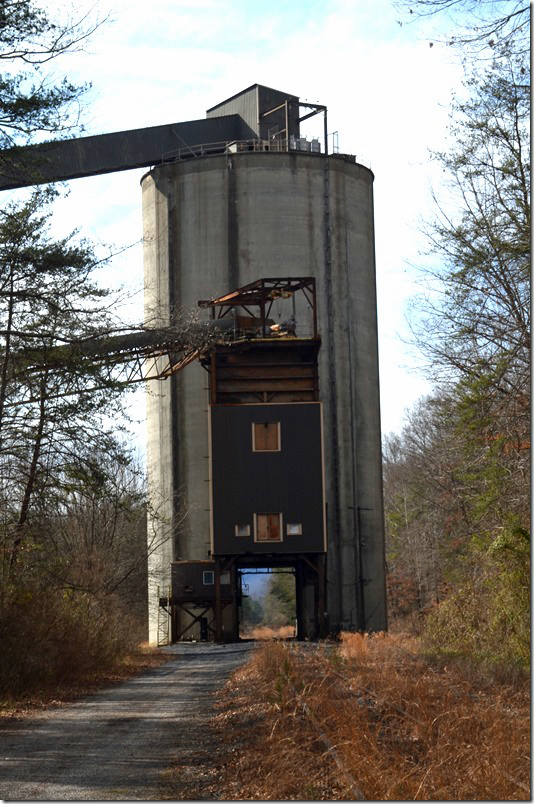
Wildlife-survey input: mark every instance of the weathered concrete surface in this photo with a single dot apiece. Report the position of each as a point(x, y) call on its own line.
point(214, 224)
point(114, 745)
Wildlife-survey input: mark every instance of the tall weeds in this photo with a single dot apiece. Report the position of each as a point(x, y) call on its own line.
point(372, 718)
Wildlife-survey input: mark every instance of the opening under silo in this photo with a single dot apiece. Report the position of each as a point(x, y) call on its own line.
point(268, 603)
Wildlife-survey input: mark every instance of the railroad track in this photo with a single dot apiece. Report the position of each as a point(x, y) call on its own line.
point(392, 717)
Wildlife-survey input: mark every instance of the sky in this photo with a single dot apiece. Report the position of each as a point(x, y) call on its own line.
point(387, 93)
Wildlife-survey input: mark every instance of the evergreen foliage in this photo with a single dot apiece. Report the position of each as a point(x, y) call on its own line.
point(457, 479)
point(33, 102)
point(73, 511)
point(251, 611)
point(48, 424)
point(72, 506)
point(279, 601)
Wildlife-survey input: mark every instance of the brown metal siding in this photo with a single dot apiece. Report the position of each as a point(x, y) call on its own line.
point(289, 481)
point(283, 371)
point(188, 582)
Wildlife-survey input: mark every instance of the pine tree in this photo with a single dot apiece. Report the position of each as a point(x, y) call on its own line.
point(279, 601)
point(60, 452)
point(32, 102)
point(457, 479)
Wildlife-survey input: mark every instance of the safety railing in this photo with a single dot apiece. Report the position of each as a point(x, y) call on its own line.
point(242, 146)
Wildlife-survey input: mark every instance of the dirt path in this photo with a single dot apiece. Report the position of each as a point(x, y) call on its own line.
point(115, 744)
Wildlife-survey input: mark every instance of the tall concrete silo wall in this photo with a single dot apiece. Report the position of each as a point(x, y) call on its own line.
point(213, 224)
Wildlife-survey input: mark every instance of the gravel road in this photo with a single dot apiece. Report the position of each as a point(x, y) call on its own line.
point(114, 744)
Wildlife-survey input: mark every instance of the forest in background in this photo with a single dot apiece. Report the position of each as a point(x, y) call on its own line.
point(73, 540)
point(73, 534)
point(457, 478)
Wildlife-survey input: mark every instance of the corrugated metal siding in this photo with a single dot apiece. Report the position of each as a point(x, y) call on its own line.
point(107, 153)
point(245, 104)
point(285, 370)
point(269, 99)
point(253, 102)
point(188, 582)
point(289, 481)
point(237, 118)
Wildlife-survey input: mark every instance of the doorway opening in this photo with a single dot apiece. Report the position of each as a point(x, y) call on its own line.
point(268, 603)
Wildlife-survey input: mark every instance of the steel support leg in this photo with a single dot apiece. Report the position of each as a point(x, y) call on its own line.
point(218, 606)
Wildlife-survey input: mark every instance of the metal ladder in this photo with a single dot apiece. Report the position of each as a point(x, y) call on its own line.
point(164, 621)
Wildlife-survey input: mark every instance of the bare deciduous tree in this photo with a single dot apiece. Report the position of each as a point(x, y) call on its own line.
point(476, 25)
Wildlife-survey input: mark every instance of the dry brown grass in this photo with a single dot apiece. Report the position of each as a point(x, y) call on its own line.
point(263, 632)
point(318, 722)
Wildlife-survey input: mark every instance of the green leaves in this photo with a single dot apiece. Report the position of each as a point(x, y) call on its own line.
point(51, 427)
point(34, 102)
point(462, 465)
point(279, 602)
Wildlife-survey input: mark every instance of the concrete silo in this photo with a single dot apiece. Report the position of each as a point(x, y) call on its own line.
point(215, 219)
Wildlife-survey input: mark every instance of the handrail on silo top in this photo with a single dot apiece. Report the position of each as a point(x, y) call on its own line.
point(273, 145)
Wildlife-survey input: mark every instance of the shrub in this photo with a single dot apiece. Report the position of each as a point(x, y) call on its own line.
point(51, 636)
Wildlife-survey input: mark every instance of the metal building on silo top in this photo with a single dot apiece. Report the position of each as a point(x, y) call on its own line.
point(219, 217)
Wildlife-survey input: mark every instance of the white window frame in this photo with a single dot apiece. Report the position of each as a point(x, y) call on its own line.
point(280, 528)
point(255, 449)
point(297, 526)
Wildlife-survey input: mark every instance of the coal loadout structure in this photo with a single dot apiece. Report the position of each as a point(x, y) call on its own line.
point(265, 451)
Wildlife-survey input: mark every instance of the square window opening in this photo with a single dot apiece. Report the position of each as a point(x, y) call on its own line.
point(208, 577)
point(294, 528)
point(268, 527)
point(266, 437)
point(242, 530)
